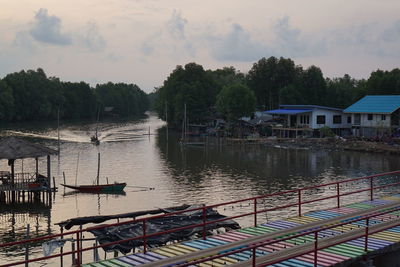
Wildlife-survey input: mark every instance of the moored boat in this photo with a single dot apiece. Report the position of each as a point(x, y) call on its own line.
point(115, 187)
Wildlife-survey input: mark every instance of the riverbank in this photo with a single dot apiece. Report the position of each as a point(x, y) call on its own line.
point(335, 144)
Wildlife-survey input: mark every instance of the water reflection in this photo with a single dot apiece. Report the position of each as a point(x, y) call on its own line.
point(190, 175)
point(261, 169)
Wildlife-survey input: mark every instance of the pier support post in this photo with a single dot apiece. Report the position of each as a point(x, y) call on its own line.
point(299, 202)
point(27, 246)
point(37, 167)
point(48, 171)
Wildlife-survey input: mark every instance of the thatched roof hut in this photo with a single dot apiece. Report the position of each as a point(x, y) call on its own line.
point(15, 148)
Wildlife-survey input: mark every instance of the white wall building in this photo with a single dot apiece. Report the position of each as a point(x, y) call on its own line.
point(313, 117)
point(375, 115)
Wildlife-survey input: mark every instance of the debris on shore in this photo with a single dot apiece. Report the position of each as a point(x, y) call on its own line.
point(328, 143)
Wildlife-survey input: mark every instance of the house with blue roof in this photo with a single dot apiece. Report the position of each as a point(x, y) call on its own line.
point(306, 120)
point(375, 115)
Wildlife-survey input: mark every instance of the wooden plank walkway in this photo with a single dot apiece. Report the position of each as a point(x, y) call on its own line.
point(336, 254)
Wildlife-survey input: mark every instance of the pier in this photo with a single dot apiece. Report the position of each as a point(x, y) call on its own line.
point(359, 222)
point(25, 186)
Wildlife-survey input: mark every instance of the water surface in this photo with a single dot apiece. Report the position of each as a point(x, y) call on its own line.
point(191, 175)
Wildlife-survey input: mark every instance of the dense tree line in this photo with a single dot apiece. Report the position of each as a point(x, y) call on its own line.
point(272, 81)
point(31, 95)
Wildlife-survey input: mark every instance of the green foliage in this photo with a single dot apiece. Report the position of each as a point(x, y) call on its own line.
point(384, 82)
point(6, 102)
point(326, 131)
point(31, 95)
point(267, 77)
point(190, 85)
point(152, 98)
point(236, 101)
point(127, 99)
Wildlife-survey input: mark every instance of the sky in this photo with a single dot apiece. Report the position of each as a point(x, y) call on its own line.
point(142, 41)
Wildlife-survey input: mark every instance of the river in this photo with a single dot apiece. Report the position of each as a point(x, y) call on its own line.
point(190, 175)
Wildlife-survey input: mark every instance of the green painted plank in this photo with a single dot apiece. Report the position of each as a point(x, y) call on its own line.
point(341, 252)
point(119, 263)
point(268, 228)
point(249, 231)
point(346, 250)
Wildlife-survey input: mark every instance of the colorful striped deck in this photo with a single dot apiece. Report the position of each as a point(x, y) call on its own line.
point(336, 254)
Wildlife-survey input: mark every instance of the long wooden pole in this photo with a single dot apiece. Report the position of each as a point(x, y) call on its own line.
point(76, 174)
point(58, 130)
point(98, 168)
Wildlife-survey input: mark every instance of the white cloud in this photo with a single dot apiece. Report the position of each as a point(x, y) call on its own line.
point(47, 29)
point(236, 45)
point(92, 39)
point(170, 40)
point(176, 26)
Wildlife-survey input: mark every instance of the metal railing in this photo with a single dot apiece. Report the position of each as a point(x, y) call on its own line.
point(77, 235)
point(315, 247)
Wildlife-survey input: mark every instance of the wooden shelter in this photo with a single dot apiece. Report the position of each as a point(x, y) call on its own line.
point(12, 148)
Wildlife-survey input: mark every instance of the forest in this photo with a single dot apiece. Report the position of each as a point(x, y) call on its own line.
point(31, 95)
point(269, 83)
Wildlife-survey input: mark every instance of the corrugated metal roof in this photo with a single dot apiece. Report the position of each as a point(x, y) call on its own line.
point(383, 104)
point(287, 111)
point(309, 107)
point(16, 148)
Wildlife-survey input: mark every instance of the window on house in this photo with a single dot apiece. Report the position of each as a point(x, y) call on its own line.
point(337, 119)
point(383, 117)
point(301, 119)
point(321, 119)
point(357, 119)
point(308, 119)
point(348, 119)
point(370, 117)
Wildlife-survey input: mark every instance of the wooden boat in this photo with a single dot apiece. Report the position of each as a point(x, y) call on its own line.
point(98, 188)
point(95, 138)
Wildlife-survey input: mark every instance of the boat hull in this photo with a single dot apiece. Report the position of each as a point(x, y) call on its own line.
point(116, 187)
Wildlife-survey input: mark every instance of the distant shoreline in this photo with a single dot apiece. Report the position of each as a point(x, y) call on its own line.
point(324, 143)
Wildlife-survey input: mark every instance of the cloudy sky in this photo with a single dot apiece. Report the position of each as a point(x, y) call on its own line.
point(142, 41)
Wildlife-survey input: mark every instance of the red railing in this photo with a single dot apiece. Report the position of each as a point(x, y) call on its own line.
point(371, 180)
point(314, 250)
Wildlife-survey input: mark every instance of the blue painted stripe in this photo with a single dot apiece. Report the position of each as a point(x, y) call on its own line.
point(129, 261)
point(326, 212)
point(136, 258)
point(195, 245)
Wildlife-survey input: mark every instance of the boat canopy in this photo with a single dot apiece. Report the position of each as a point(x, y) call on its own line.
point(156, 225)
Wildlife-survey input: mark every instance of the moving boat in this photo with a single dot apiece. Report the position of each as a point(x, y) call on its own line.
point(95, 138)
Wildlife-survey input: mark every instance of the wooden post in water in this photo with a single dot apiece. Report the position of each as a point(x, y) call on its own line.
point(12, 180)
point(73, 253)
point(62, 247)
point(96, 257)
point(76, 174)
point(166, 117)
point(98, 168)
point(27, 245)
point(37, 167)
point(48, 171)
point(58, 130)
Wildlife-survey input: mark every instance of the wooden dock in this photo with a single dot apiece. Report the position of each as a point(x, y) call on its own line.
point(343, 253)
point(336, 234)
